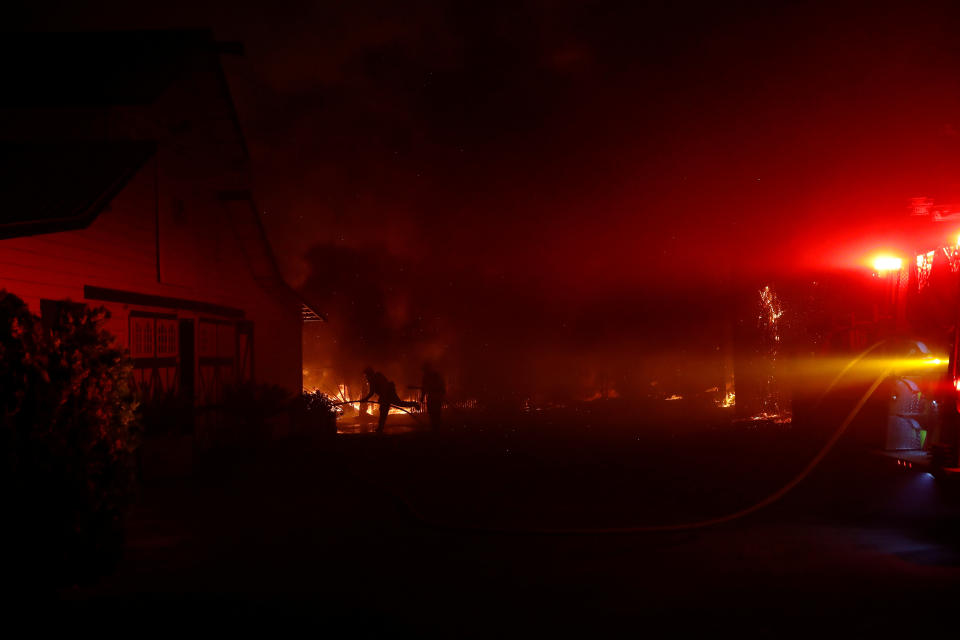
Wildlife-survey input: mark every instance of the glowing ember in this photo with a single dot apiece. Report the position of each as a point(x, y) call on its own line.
point(770, 417)
point(602, 395)
point(674, 397)
point(729, 400)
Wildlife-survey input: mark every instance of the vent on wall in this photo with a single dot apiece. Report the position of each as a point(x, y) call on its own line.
point(309, 315)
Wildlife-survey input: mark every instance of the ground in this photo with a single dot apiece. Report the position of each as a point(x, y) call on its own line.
point(421, 533)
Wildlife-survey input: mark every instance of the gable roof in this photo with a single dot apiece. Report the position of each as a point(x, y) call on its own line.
point(61, 187)
point(90, 69)
point(94, 68)
point(64, 186)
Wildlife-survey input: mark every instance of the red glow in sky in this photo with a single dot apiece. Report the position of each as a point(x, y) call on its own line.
point(585, 147)
point(537, 162)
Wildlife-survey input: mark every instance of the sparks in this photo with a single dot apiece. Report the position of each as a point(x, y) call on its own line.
point(772, 308)
point(771, 311)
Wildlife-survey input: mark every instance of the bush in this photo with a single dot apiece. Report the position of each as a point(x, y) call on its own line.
point(69, 436)
point(319, 413)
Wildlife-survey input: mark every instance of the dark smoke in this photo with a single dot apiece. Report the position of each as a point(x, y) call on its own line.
point(495, 338)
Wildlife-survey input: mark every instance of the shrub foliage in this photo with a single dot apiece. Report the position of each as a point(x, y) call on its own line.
point(319, 412)
point(69, 434)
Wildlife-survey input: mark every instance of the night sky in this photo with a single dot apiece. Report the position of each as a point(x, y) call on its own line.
point(566, 185)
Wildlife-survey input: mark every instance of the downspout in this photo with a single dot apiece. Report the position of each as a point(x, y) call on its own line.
point(156, 211)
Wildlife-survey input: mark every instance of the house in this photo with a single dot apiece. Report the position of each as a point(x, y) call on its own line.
point(126, 184)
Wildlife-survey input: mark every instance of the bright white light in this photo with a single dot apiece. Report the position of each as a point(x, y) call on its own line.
point(887, 263)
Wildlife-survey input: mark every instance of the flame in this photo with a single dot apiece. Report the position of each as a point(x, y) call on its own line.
point(344, 399)
point(729, 400)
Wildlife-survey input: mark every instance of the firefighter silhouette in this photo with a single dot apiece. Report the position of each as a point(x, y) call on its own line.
point(386, 392)
point(434, 390)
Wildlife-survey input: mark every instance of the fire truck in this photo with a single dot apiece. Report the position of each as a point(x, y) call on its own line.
point(906, 349)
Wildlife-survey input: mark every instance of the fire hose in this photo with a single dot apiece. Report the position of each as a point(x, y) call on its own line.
point(413, 415)
point(662, 528)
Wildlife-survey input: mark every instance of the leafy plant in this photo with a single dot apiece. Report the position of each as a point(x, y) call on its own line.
point(69, 434)
point(320, 412)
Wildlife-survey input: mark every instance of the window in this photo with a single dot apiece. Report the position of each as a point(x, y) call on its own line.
point(153, 336)
point(166, 338)
point(142, 343)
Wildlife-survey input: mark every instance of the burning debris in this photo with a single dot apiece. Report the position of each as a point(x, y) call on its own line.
point(772, 406)
point(729, 400)
point(604, 394)
point(772, 311)
point(347, 405)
